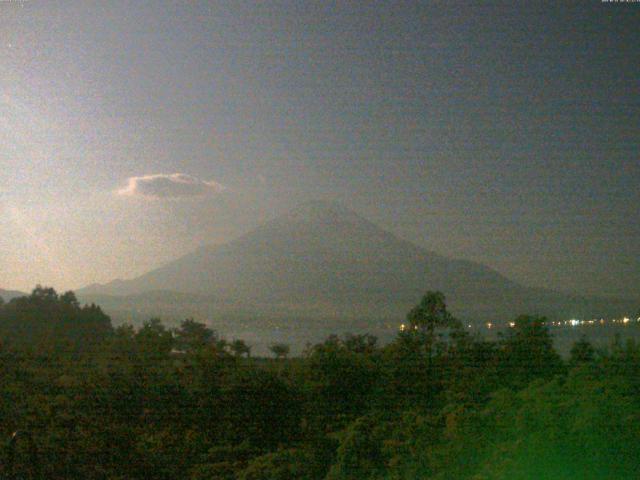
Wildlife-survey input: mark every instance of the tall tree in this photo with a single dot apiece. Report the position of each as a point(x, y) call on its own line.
point(430, 313)
point(527, 352)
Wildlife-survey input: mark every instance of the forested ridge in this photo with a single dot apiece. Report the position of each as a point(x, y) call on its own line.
point(101, 402)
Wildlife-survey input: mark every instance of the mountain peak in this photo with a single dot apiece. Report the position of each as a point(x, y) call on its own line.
point(322, 211)
point(322, 259)
point(323, 205)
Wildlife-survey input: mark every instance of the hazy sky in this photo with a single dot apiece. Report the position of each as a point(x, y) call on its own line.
point(131, 132)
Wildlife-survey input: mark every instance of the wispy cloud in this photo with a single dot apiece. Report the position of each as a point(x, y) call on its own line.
point(173, 185)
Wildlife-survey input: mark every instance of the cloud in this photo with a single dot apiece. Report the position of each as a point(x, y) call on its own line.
point(174, 185)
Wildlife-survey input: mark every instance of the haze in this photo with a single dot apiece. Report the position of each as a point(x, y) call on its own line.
point(130, 134)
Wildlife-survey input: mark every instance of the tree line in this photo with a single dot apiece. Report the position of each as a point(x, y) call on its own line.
point(100, 402)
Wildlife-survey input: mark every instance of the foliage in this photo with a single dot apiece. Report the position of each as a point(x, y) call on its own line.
point(67, 325)
point(280, 350)
point(152, 402)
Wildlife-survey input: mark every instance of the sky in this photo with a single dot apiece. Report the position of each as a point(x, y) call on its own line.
point(133, 132)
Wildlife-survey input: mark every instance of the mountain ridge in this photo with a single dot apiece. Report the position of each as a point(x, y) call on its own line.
point(322, 253)
point(315, 227)
point(7, 295)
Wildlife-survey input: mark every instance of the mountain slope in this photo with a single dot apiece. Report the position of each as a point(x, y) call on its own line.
point(7, 295)
point(323, 259)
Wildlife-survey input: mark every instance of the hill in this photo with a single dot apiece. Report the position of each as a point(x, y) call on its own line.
point(7, 295)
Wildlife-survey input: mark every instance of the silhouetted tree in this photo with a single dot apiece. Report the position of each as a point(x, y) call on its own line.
point(430, 322)
point(45, 319)
point(153, 339)
point(430, 313)
point(69, 298)
point(360, 343)
point(527, 352)
point(44, 294)
point(121, 403)
point(192, 335)
point(240, 348)
point(280, 350)
point(581, 352)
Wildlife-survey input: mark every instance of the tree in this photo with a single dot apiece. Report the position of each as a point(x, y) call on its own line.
point(415, 358)
point(527, 352)
point(224, 462)
point(240, 348)
point(44, 319)
point(430, 314)
point(360, 343)
point(338, 381)
point(220, 346)
point(280, 350)
point(153, 339)
point(192, 335)
point(43, 294)
point(69, 298)
point(574, 427)
point(290, 464)
point(258, 406)
point(582, 352)
point(360, 454)
point(431, 317)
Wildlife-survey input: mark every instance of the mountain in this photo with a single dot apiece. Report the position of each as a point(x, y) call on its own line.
point(7, 295)
point(322, 260)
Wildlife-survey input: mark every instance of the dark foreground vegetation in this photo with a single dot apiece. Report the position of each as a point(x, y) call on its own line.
point(436, 403)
